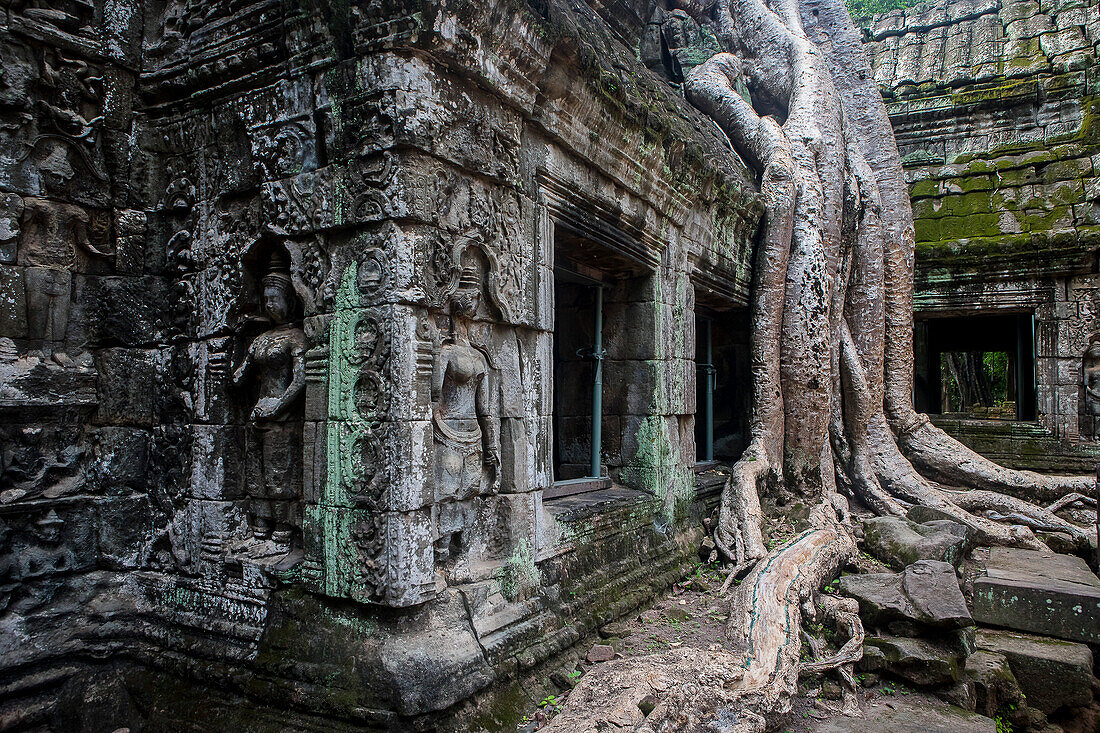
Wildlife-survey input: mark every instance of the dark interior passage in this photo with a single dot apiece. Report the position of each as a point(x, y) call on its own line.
point(976, 366)
point(574, 372)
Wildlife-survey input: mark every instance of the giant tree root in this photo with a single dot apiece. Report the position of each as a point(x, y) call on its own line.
point(691, 689)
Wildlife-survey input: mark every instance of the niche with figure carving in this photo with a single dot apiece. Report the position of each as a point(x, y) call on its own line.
point(269, 375)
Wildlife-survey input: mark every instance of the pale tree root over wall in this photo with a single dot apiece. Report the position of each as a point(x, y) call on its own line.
point(832, 371)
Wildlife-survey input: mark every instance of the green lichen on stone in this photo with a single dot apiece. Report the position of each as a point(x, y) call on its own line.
point(345, 424)
point(331, 522)
point(969, 204)
point(996, 95)
point(1010, 206)
point(976, 183)
point(519, 572)
point(925, 187)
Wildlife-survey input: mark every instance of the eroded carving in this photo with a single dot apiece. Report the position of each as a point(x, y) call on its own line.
point(1090, 368)
point(275, 359)
point(465, 428)
point(467, 442)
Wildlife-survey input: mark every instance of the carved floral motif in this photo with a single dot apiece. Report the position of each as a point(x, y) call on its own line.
point(359, 351)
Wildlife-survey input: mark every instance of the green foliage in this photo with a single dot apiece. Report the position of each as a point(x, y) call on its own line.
point(866, 8)
point(996, 366)
point(1001, 719)
point(994, 371)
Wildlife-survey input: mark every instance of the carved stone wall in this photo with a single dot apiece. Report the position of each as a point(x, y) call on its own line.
point(995, 108)
point(276, 351)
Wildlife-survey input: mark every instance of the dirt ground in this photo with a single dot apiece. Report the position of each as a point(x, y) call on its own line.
point(693, 614)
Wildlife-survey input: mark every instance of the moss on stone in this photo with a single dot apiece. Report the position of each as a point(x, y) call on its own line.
point(1064, 170)
point(1017, 176)
point(979, 165)
point(997, 94)
point(926, 230)
point(974, 225)
point(975, 249)
point(928, 209)
point(1058, 217)
point(979, 202)
point(926, 187)
point(1023, 159)
point(975, 183)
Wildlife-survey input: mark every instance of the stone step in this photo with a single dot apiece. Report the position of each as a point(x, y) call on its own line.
point(1036, 591)
point(1051, 672)
point(907, 715)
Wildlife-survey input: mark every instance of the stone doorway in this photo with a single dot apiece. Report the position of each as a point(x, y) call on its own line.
point(976, 366)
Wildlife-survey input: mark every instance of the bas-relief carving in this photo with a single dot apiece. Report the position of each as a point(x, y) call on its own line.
point(55, 227)
point(467, 456)
point(350, 548)
point(52, 235)
point(178, 199)
point(285, 149)
point(40, 545)
point(48, 554)
point(358, 397)
point(1090, 367)
point(479, 420)
point(358, 193)
point(56, 166)
point(40, 461)
point(38, 364)
point(465, 426)
point(275, 362)
point(366, 547)
point(471, 216)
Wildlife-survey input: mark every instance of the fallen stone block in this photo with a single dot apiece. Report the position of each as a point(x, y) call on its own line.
point(920, 661)
point(906, 715)
point(926, 593)
point(1052, 673)
point(995, 686)
point(901, 542)
point(1040, 592)
point(601, 653)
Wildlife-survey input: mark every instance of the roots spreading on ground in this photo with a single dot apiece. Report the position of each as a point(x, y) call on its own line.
point(832, 372)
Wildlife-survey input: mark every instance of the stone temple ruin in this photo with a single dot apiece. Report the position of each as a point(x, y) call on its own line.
point(357, 359)
point(993, 106)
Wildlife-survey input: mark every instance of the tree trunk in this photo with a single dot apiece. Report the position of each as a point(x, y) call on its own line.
point(967, 369)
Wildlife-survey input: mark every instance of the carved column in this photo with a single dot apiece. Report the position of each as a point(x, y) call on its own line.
point(365, 539)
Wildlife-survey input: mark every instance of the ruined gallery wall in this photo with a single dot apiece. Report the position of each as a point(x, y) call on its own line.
point(995, 106)
point(91, 404)
point(278, 286)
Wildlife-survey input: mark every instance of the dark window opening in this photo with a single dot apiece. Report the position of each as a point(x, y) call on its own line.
point(578, 377)
point(976, 366)
point(722, 358)
point(606, 338)
point(705, 383)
